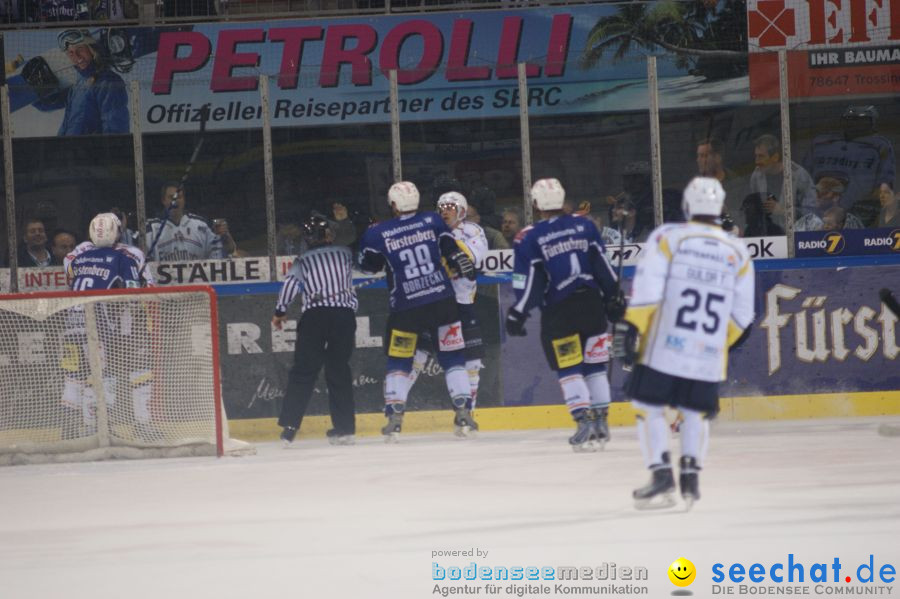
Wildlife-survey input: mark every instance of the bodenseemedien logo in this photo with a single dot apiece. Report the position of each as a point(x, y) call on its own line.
point(682, 572)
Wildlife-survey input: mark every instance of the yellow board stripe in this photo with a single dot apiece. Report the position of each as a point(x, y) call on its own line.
point(776, 407)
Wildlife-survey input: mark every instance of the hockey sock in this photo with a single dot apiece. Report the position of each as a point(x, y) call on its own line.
point(473, 368)
point(140, 395)
point(653, 432)
point(694, 435)
point(598, 384)
point(458, 386)
point(574, 389)
point(396, 381)
point(418, 365)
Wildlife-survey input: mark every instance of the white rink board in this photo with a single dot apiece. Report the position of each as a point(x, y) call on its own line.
point(363, 521)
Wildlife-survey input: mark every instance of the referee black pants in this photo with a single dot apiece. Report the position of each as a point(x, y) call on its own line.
point(324, 336)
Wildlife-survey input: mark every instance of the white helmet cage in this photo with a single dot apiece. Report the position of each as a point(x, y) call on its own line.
point(548, 194)
point(703, 196)
point(404, 196)
point(105, 229)
point(454, 198)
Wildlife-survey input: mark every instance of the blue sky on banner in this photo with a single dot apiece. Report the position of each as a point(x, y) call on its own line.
point(333, 71)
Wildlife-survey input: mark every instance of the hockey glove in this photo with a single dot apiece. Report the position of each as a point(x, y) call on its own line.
point(615, 307)
point(464, 265)
point(625, 342)
point(515, 323)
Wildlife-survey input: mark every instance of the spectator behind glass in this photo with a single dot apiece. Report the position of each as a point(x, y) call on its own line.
point(129, 237)
point(485, 200)
point(61, 243)
point(758, 221)
point(511, 224)
point(495, 238)
point(33, 251)
point(711, 163)
point(889, 215)
point(834, 219)
point(768, 181)
point(624, 218)
point(828, 195)
point(289, 240)
point(859, 156)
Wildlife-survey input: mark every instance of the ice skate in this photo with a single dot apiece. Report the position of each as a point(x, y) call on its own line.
point(391, 430)
point(337, 438)
point(689, 480)
point(463, 422)
point(657, 493)
point(586, 437)
point(602, 426)
point(287, 435)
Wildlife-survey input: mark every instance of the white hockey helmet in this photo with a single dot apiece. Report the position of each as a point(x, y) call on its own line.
point(105, 229)
point(456, 199)
point(703, 196)
point(548, 194)
point(404, 196)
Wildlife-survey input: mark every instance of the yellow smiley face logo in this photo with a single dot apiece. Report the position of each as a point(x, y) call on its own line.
point(682, 572)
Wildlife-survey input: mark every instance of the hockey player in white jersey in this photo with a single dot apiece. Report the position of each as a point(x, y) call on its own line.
point(692, 300)
point(184, 236)
point(470, 237)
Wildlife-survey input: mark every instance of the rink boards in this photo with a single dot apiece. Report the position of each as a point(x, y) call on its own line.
point(823, 345)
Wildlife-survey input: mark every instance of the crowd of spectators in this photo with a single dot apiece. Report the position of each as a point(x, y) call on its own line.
point(56, 11)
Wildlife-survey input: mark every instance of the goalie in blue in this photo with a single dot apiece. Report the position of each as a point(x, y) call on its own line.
point(412, 248)
point(560, 268)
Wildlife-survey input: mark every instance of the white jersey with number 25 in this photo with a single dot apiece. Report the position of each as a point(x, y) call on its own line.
point(699, 283)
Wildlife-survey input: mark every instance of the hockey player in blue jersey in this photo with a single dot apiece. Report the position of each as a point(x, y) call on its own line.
point(410, 247)
point(105, 264)
point(560, 268)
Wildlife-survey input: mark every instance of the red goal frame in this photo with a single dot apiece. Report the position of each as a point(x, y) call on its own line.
point(214, 329)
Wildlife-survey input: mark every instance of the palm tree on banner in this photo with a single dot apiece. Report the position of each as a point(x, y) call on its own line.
point(706, 39)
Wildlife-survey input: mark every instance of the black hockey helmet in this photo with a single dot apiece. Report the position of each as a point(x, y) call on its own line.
point(859, 120)
point(316, 230)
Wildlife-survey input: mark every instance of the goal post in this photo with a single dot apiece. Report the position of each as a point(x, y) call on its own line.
point(110, 374)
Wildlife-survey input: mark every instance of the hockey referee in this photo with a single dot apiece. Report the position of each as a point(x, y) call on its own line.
point(326, 332)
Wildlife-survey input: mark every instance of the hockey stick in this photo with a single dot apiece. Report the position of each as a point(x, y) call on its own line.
point(204, 116)
point(888, 299)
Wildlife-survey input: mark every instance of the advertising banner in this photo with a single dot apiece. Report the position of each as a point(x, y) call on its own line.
point(834, 48)
point(335, 71)
point(847, 242)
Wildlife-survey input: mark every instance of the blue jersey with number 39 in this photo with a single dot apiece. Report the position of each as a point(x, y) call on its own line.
point(103, 268)
point(410, 248)
point(556, 257)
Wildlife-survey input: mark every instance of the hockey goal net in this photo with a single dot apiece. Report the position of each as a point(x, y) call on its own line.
point(110, 374)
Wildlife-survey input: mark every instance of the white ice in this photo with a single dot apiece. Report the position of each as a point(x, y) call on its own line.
point(363, 521)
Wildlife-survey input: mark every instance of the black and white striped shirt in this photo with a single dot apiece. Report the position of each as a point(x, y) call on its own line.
point(323, 276)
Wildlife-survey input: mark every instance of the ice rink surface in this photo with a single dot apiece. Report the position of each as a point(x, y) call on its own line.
point(365, 521)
